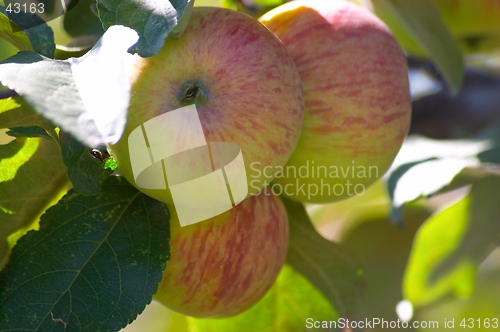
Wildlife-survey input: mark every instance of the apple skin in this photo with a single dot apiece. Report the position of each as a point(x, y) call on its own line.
point(356, 92)
point(223, 266)
point(250, 90)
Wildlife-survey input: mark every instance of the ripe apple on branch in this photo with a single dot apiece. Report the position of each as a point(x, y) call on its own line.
point(356, 92)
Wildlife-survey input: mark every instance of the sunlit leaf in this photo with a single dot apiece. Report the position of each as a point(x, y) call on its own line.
point(417, 148)
point(269, 3)
point(383, 250)
point(88, 97)
point(14, 155)
point(425, 166)
point(328, 266)
point(31, 176)
point(470, 175)
point(15, 112)
point(483, 306)
point(383, 11)
point(423, 180)
point(451, 244)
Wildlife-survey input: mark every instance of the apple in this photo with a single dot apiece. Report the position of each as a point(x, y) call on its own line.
point(357, 98)
point(245, 86)
point(222, 266)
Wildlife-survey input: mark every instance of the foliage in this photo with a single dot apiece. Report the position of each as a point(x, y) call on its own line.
point(93, 265)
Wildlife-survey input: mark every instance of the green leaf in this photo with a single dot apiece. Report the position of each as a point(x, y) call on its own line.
point(15, 112)
point(87, 97)
point(87, 173)
point(94, 264)
point(451, 243)
point(482, 305)
point(153, 20)
point(325, 264)
point(42, 38)
point(83, 19)
point(384, 12)
point(285, 308)
point(425, 166)
point(470, 175)
point(32, 131)
point(423, 22)
point(39, 33)
point(31, 176)
point(423, 179)
point(183, 21)
point(269, 3)
point(383, 249)
point(48, 86)
point(19, 39)
point(14, 155)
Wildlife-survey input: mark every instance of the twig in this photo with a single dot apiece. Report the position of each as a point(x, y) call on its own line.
point(4, 94)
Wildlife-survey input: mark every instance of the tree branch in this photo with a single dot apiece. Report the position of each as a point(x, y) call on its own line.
point(4, 94)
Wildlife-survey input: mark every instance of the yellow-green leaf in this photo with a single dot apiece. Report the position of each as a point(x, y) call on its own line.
point(15, 112)
point(451, 244)
point(31, 176)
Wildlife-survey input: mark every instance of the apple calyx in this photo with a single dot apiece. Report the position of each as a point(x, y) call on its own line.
point(193, 93)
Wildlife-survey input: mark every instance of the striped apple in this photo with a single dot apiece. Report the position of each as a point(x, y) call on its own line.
point(357, 98)
point(222, 266)
point(245, 86)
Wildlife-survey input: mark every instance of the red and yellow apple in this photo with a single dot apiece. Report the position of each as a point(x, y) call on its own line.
point(357, 98)
point(222, 266)
point(245, 86)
